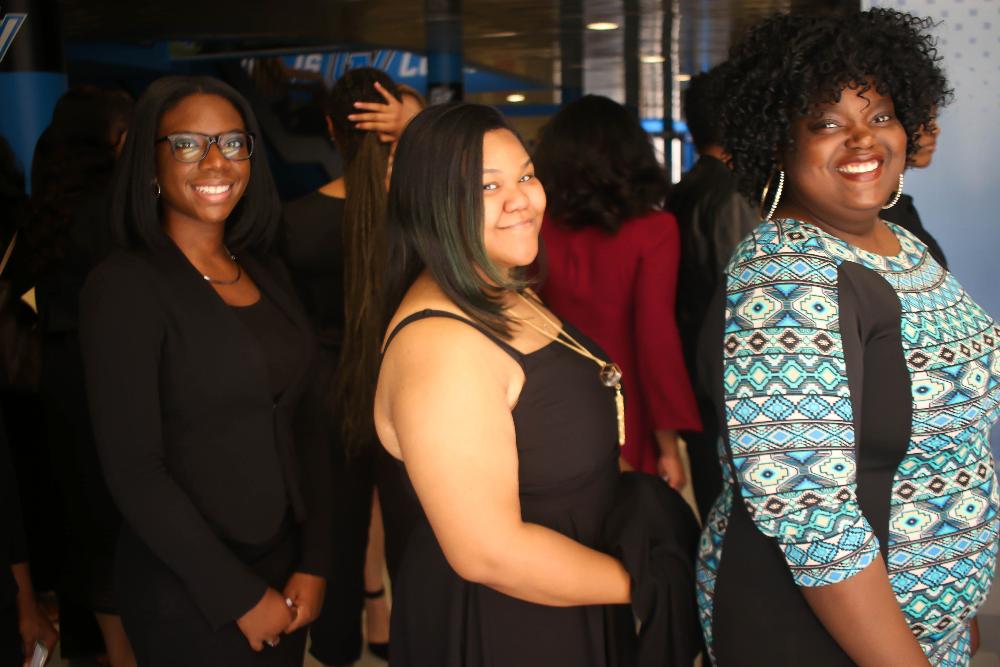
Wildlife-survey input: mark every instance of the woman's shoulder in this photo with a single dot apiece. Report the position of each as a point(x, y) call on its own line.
point(122, 264)
point(783, 250)
point(653, 223)
point(125, 280)
point(313, 207)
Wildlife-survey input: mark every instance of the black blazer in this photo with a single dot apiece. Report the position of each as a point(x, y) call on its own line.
point(196, 451)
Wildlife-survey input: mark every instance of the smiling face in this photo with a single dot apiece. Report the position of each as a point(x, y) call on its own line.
point(204, 192)
point(844, 161)
point(513, 202)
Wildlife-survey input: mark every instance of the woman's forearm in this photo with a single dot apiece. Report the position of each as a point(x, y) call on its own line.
point(863, 616)
point(542, 566)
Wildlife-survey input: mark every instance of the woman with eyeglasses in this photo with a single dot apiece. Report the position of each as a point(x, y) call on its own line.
point(197, 354)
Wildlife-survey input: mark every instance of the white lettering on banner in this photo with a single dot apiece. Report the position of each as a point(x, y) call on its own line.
point(8, 30)
point(407, 69)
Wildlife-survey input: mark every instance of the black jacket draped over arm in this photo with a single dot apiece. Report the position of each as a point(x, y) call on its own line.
point(196, 450)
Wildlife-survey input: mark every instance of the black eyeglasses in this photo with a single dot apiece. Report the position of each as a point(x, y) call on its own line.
point(194, 146)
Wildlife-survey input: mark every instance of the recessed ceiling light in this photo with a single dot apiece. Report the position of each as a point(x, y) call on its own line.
point(515, 98)
point(683, 77)
point(652, 59)
point(602, 25)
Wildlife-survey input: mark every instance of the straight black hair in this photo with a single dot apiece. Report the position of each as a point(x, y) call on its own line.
point(435, 213)
point(135, 215)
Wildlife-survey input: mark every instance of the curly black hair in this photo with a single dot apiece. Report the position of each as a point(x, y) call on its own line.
point(598, 165)
point(788, 64)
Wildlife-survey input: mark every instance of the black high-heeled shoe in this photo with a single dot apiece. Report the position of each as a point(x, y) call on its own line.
point(379, 649)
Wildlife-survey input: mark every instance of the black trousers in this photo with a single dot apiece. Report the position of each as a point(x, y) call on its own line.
point(167, 629)
point(10, 641)
point(336, 634)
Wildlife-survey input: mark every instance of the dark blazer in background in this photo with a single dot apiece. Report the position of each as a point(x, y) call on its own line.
point(197, 452)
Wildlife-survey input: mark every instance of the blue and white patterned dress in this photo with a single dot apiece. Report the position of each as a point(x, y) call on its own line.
point(859, 393)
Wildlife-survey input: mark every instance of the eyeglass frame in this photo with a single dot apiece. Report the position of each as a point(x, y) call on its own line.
point(211, 139)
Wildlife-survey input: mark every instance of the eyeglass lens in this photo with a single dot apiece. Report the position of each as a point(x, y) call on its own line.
point(194, 147)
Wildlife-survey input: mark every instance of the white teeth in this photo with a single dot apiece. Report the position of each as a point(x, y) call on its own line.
point(213, 189)
point(859, 167)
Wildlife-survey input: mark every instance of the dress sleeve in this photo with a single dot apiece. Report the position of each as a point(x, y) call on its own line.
point(789, 413)
point(122, 334)
point(666, 388)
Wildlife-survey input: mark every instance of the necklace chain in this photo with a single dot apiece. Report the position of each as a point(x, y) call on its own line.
point(610, 373)
point(217, 281)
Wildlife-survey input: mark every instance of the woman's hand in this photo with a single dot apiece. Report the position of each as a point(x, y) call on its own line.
point(34, 626)
point(669, 466)
point(266, 621)
point(306, 592)
point(388, 119)
point(32, 623)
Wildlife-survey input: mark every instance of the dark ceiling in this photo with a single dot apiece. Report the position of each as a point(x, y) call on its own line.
point(521, 37)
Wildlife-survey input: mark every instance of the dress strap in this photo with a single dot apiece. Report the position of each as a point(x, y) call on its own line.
point(430, 312)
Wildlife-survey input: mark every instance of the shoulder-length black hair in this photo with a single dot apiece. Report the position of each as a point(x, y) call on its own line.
point(598, 165)
point(135, 214)
point(435, 212)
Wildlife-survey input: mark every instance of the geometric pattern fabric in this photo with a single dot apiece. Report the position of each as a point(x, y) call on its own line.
point(791, 430)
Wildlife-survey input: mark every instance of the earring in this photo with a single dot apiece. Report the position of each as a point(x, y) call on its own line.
point(899, 192)
point(156, 189)
point(777, 195)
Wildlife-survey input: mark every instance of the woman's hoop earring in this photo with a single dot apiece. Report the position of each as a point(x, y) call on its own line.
point(777, 195)
point(899, 192)
point(156, 189)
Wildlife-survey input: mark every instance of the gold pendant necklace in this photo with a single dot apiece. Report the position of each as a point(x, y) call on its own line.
point(610, 373)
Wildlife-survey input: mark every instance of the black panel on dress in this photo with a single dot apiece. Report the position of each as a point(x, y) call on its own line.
point(757, 606)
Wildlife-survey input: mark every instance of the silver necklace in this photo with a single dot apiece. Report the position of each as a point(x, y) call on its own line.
point(239, 274)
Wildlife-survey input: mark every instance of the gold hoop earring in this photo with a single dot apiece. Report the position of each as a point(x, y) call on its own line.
point(777, 195)
point(156, 189)
point(899, 192)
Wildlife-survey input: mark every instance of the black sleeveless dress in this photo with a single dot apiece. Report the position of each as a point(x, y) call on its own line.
point(567, 447)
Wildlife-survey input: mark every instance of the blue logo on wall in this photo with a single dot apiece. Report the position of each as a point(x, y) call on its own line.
point(8, 30)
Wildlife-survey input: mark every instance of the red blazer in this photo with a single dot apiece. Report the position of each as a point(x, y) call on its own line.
point(620, 290)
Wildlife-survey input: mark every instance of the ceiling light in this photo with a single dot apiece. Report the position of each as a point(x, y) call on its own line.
point(602, 25)
point(652, 59)
point(683, 77)
point(515, 98)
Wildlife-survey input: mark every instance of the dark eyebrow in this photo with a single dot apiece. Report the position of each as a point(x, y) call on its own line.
point(497, 171)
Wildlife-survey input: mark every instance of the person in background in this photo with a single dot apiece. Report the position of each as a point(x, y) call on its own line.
point(22, 621)
point(713, 217)
point(858, 523)
point(332, 241)
point(198, 356)
point(904, 213)
point(611, 260)
point(68, 235)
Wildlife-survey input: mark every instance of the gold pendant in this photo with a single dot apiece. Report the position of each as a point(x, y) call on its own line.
point(611, 374)
point(620, 409)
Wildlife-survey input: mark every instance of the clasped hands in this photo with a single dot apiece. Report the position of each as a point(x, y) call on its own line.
point(283, 613)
